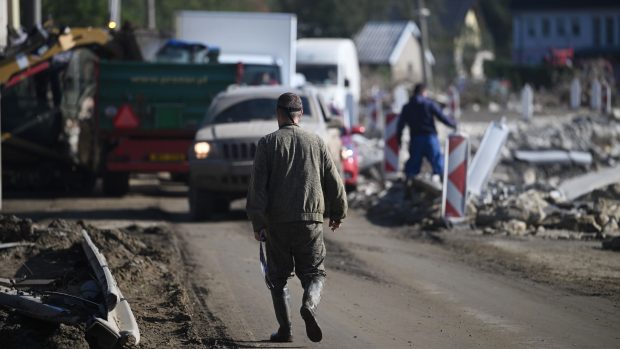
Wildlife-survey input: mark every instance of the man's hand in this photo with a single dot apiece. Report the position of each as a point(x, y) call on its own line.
point(334, 224)
point(260, 235)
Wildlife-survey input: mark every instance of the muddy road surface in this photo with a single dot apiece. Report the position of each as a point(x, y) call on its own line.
point(383, 290)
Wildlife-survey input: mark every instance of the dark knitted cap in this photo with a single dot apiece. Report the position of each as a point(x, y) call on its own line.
point(290, 102)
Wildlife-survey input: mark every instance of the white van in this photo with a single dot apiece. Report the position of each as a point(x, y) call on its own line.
point(331, 66)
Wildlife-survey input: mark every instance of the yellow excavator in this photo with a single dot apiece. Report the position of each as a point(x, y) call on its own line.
point(41, 100)
point(32, 57)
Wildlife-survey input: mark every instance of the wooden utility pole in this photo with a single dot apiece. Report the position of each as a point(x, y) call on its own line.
point(423, 13)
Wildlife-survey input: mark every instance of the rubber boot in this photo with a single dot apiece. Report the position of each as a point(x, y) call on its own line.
point(282, 309)
point(312, 297)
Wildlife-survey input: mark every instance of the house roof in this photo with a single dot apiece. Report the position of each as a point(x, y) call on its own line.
point(562, 4)
point(381, 42)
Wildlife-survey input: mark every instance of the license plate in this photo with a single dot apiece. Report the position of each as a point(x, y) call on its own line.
point(166, 157)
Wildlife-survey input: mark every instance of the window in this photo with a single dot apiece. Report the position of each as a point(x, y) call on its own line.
point(261, 74)
point(531, 27)
point(560, 26)
point(576, 27)
point(596, 31)
point(546, 27)
point(319, 74)
point(251, 110)
point(609, 31)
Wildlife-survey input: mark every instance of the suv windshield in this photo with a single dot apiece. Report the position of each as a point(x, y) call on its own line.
point(250, 110)
point(320, 74)
point(255, 74)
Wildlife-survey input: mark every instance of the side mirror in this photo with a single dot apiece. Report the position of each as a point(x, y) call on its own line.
point(358, 130)
point(335, 122)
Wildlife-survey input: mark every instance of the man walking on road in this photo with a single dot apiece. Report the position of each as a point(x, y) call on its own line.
point(294, 185)
point(419, 114)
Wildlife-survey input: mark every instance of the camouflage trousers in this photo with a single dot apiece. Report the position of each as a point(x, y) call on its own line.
point(295, 247)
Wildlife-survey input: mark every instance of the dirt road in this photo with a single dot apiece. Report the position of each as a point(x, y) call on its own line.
point(382, 290)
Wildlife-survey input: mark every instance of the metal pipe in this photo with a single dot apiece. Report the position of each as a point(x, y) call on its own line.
point(151, 18)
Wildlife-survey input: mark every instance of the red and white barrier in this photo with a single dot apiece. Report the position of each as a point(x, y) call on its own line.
point(455, 178)
point(390, 163)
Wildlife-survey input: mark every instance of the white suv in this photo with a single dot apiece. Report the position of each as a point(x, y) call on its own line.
point(223, 152)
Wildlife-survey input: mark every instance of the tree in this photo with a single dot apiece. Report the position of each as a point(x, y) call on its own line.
point(499, 21)
point(95, 12)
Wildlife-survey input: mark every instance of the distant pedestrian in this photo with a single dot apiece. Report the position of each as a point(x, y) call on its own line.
point(294, 185)
point(419, 115)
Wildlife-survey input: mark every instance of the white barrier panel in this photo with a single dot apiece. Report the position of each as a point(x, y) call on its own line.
point(455, 178)
point(607, 98)
point(575, 94)
point(527, 102)
point(487, 156)
point(595, 95)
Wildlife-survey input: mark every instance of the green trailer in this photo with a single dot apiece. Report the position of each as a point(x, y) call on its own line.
point(147, 115)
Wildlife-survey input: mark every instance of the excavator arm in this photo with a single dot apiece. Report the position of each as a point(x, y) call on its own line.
point(35, 58)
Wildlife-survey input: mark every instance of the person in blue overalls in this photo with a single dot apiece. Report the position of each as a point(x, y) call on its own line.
point(419, 114)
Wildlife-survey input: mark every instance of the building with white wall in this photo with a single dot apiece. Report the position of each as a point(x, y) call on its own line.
point(589, 27)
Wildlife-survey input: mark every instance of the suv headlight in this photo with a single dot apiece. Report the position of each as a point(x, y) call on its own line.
point(202, 149)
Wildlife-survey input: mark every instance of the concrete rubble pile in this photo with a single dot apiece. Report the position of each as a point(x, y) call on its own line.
point(522, 197)
point(60, 286)
point(559, 148)
point(96, 304)
point(529, 192)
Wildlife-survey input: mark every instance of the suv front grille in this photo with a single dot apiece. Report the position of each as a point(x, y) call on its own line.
point(239, 151)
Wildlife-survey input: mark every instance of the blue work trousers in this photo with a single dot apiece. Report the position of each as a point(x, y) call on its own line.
point(424, 146)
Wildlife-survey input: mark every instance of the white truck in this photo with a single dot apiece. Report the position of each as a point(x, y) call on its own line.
point(250, 38)
point(332, 67)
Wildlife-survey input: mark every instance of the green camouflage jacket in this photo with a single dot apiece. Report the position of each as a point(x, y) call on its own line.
point(294, 179)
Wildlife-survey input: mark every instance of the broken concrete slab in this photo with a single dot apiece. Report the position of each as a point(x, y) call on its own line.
point(575, 187)
point(545, 157)
point(486, 157)
point(104, 276)
point(514, 227)
point(120, 319)
point(119, 330)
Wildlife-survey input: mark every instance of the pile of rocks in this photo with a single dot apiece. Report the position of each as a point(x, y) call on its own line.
point(518, 199)
point(533, 212)
point(597, 135)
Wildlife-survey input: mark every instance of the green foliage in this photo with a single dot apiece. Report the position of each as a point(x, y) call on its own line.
point(95, 12)
point(340, 18)
point(498, 20)
point(76, 13)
